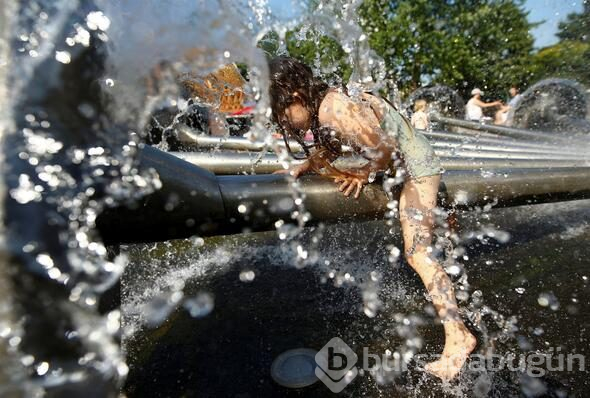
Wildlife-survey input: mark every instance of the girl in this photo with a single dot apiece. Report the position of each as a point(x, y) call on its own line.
point(420, 118)
point(373, 128)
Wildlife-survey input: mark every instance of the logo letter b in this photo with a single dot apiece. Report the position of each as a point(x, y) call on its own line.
point(336, 360)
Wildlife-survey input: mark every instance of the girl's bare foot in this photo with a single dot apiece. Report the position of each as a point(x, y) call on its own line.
point(459, 344)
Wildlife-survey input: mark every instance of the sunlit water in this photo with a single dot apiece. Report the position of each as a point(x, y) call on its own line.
point(211, 315)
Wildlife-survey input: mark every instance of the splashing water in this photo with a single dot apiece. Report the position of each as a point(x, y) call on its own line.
point(74, 127)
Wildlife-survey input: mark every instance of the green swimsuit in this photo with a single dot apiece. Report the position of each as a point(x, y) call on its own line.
point(418, 157)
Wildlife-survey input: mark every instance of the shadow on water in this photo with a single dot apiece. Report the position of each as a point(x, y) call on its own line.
point(538, 277)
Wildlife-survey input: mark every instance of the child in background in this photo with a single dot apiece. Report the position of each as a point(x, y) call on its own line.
point(420, 118)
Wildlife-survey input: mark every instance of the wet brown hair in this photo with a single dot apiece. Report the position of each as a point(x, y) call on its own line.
point(287, 77)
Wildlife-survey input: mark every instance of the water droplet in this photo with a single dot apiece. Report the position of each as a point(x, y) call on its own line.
point(461, 197)
point(42, 368)
point(394, 254)
point(197, 241)
point(63, 57)
point(462, 295)
point(247, 276)
point(27, 360)
point(96, 20)
point(286, 231)
point(543, 300)
point(302, 253)
point(199, 306)
point(454, 270)
point(158, 308)
point(45, 260)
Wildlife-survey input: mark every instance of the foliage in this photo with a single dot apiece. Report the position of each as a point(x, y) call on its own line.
point(577, 26)
point(321, 52)
point(571, 56)
point(460, 43)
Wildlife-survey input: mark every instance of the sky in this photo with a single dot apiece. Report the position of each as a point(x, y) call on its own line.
point(550, 11)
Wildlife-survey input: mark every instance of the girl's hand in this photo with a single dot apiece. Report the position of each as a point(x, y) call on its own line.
point(351, 183)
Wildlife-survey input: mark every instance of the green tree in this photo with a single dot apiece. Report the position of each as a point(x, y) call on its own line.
point(460, 43)
point(577, 26)
point(571, 56)
point(321, 52)
point(567, 59)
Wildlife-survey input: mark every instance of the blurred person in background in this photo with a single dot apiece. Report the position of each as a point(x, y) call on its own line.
point(474, 107)
point(420, 118)
point(502, 114)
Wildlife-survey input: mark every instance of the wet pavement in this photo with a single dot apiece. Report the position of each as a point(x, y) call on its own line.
point(534, 296)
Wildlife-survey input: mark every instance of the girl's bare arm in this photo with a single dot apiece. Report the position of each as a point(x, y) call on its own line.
point(357, 125)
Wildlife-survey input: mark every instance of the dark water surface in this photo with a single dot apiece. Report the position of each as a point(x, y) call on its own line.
point(537, 281)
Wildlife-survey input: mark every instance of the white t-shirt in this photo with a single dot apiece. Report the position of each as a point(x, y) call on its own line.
point(420, 120)
point(473, 111)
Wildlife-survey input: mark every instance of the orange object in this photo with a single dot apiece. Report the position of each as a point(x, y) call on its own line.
point(222, 89)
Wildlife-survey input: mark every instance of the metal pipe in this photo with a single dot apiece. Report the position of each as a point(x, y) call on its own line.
point(259, 195)
point(231, 143)
point(507, 145)
point(235, 143)
point(486, 154)
point(189, 203)
point(227, 162)
point(502, 130)
point(207, 205)
point(510, 149)
point(190, 137)
point(468, 131)
point(445, 136)
point(436, 135)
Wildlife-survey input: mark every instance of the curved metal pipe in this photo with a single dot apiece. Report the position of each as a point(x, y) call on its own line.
point(190, 137)
point(243, 162)
point(502, 145)
point(193, 201)
point(501, 130)
point(437, 135)
point(563, 154)
point(495, 154)
point(260, 194)
point(188, 203)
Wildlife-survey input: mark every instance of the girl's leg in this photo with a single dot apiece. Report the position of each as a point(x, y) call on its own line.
point(417, 200)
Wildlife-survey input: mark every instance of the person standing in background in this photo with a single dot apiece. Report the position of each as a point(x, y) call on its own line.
point(516, 96)
point(502, 114)
point(420, 118)
point(474, 107)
